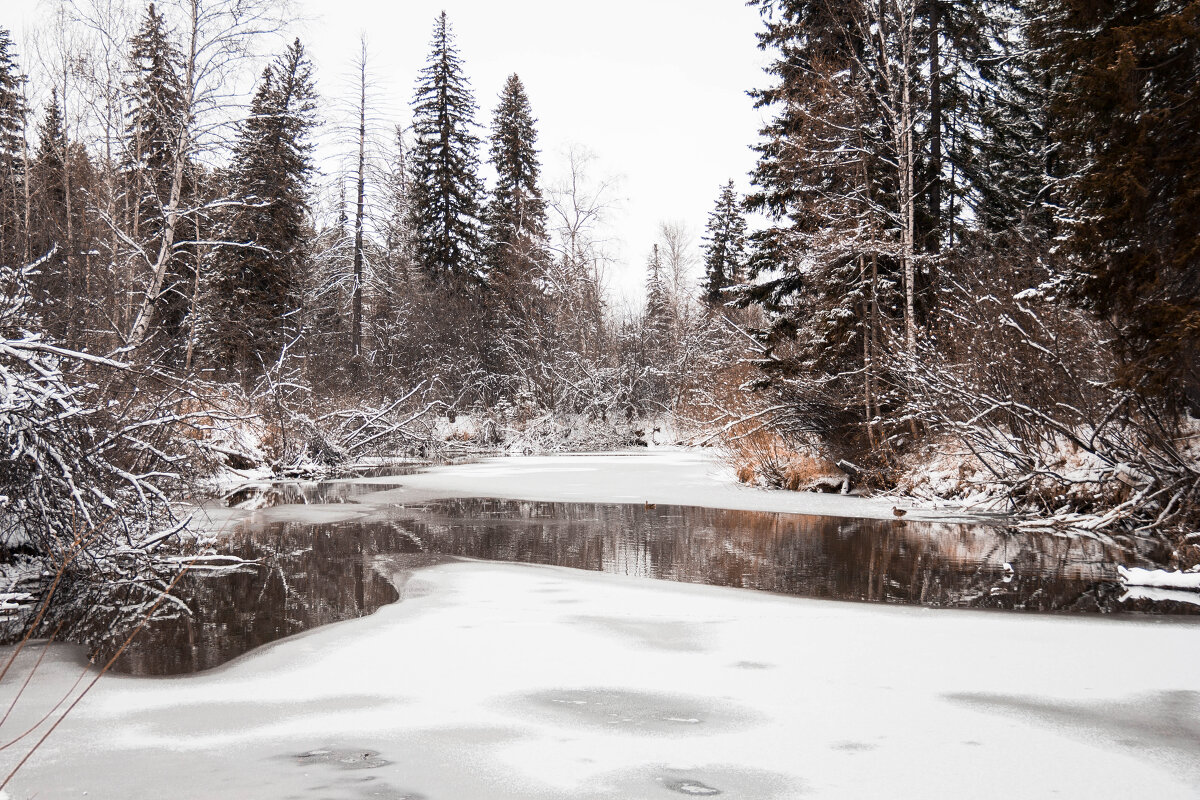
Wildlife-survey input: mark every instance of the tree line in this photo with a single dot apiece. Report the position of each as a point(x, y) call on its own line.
point(979, 236)
point(192, 242)
point(981, 227)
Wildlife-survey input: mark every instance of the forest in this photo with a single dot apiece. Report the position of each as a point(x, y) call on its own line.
point(968, 270)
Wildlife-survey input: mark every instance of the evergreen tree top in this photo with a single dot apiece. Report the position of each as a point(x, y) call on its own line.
point(273, 154)
point(12, 100)
point(51, 133)
point(725, 244)
point(517, 209)
point(155, 93)
point(444, 100)
point(447, 188)
point(154, 57)
point(514, 138)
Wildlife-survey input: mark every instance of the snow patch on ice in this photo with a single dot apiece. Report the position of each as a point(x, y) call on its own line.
point(478, 686)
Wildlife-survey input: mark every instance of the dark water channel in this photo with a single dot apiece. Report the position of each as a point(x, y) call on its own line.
point(310, 574)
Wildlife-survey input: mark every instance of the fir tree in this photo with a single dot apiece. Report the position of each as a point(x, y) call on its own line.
point(516, 215)
point(394, 277)
point(259, 274)
point(52, 286)
point(154, 125)
point(658, 301)
point(725, 246)
point(154, 117)
point(1124, 78)
point(447, 188)
point(13, 112)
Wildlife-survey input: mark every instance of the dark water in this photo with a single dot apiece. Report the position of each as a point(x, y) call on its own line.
point(311, 574)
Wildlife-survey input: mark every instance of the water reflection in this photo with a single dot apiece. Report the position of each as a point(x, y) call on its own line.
point(310, 574)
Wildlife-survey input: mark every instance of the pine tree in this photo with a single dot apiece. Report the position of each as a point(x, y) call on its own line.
point(153, 126)
point(725, 246)
point(52, 287)
point(658, 301)
point(447, 188)
point(516, 215)
point(1124, 80)
point(13, 249)
point(260, 274)
point(395, 279)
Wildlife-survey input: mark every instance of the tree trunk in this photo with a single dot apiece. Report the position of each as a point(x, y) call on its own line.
point(907, 210)
point(935, 127)
point(356, 313)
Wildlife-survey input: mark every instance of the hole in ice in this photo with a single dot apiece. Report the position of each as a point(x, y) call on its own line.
point(693, 788)
point(344, 759)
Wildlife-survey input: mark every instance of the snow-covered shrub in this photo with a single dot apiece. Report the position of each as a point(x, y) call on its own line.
point(86, 464)
point(1031, 390)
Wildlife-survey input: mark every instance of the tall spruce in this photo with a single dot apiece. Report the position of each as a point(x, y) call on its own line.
point(13, 113)
point(395, 280)
point(1125, 86)
point(447, 187)
point(516, 215)
point(828, 182)
point(724, 246)
point(658, 301)
point(259, 272)
point(52, 287)
point(154, 124)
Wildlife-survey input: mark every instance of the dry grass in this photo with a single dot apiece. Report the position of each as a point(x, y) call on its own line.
point(762, 456)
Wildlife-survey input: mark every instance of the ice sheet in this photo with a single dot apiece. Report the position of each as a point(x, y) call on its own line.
point(514, 681)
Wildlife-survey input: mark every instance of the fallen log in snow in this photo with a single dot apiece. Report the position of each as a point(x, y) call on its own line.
point(1162, 578)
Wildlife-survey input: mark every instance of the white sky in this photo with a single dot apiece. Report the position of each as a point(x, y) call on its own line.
point(656, 89)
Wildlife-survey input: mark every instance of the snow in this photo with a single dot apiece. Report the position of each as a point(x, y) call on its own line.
point(1166, 579)
point(660, 475)
point(1160, 595)
point(520, 681)
point(517, 681)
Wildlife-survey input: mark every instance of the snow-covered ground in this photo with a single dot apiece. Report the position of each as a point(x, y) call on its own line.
point(662, 475)
point(512, 681)
point(516, 681)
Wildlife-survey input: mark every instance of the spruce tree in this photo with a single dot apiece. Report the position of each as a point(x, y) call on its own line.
point(13, 113)
point(658, 301)
point(516, 215)
point(447, 188)
point(153, 127)
point(1124, 77)
point(725, 246)
point(52, 287)
point(394, 277)
point(60, 182)
point(259, 272)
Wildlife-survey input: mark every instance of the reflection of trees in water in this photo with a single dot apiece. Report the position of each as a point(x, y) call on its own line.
point(312, 574)
point(306, 576)
point(874, 560)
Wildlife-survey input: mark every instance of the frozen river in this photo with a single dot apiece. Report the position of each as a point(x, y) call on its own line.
point(588, 632)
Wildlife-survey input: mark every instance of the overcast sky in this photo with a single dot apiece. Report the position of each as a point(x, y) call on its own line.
point(656, 89)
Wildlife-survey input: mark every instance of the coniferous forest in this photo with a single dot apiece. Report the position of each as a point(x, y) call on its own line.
point(967, 269)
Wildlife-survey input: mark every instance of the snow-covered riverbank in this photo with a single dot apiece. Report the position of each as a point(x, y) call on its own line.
point(514, 681)
point(664, 475)
point(506, 681)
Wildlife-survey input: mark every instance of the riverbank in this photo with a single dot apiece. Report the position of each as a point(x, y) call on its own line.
point(667, 475)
